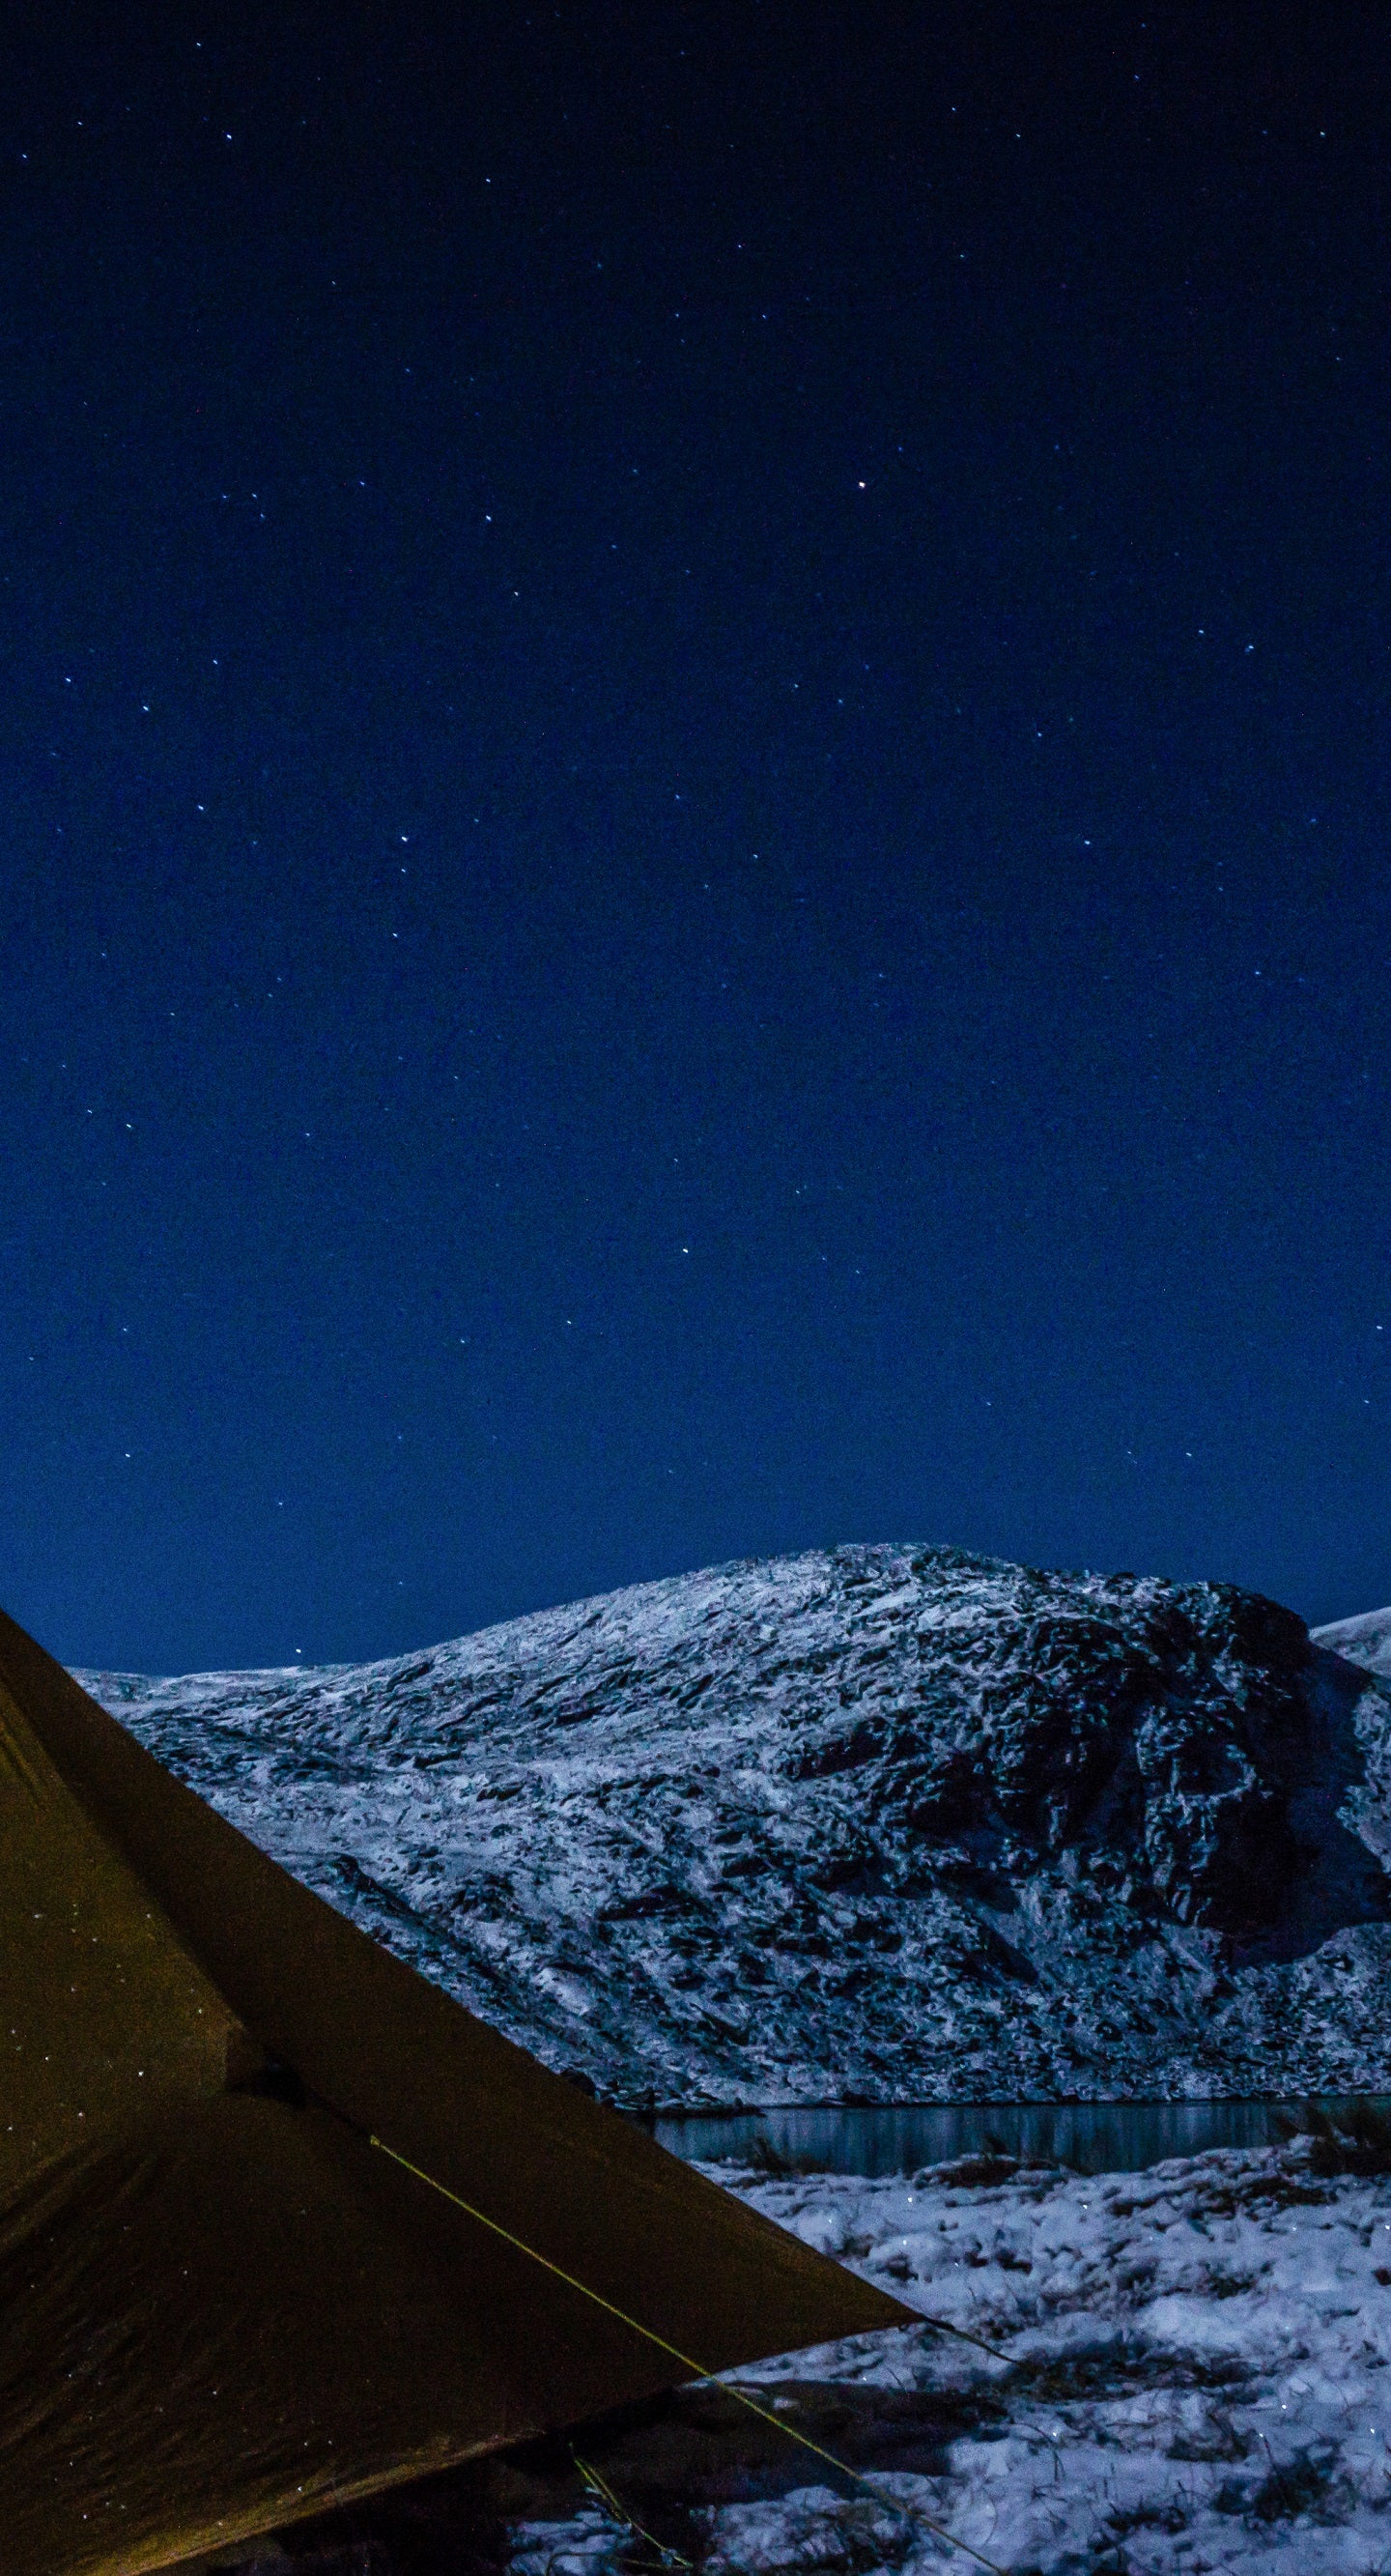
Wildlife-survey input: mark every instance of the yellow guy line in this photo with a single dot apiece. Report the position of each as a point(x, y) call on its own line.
point(617, 2511)
point(697, 2369)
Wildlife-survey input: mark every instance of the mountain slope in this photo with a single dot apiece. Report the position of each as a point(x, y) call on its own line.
point(1365, 1641)
point(884, 1822)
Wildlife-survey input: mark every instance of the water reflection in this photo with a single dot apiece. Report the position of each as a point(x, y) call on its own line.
point(1091, 2137)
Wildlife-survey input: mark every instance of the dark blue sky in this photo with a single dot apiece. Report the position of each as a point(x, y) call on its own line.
point(693, 757)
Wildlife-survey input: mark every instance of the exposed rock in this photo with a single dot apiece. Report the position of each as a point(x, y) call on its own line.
point(888, 1822)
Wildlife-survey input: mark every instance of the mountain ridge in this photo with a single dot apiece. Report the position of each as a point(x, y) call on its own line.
point(880, 1823)
point(1364, 1640)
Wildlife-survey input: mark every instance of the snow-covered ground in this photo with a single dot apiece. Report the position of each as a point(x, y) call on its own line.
point(1192, 2379)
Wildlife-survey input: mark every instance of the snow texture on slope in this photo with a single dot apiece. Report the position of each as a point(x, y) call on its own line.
point(883, 1823)
point(1365, 1640)
point(1192, 2377)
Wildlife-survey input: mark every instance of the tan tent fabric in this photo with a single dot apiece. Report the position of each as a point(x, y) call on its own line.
point(221, 2307)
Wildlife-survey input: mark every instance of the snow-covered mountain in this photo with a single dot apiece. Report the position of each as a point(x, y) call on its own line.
point(879, 1823)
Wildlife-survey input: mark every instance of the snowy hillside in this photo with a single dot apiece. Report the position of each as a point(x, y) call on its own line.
point(1365, 1641)
point(882, 1823)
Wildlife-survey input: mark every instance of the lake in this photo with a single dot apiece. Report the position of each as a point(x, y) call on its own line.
point(1091, 2137)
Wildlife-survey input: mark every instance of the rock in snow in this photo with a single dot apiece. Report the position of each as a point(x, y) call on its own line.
point(886, 1823)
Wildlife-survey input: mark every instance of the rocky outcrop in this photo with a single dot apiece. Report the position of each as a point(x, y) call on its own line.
point(879, 1823)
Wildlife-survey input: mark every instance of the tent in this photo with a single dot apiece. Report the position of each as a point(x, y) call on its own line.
point(280, 2223)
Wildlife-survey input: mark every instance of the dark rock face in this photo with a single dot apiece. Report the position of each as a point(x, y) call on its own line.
point(891, 1821)
point(1171, 1737)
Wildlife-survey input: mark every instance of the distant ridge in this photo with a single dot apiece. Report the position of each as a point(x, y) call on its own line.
point(878, 1822)
point(1365, 1640)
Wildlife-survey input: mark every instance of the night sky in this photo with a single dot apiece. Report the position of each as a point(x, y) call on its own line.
point(693, 759)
